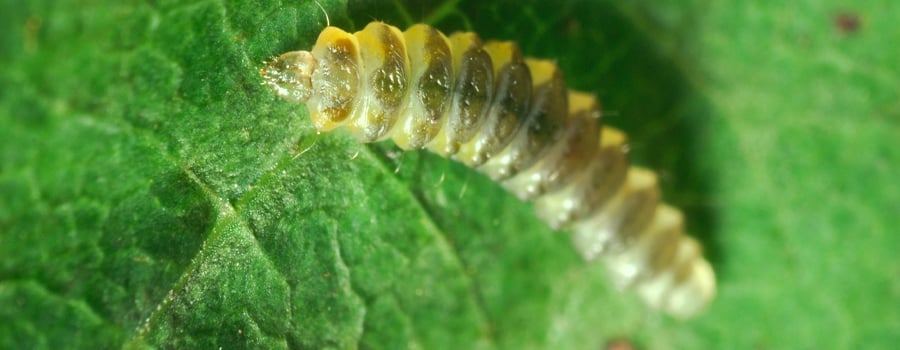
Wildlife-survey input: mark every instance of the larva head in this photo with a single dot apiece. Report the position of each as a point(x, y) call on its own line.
point(290, 75)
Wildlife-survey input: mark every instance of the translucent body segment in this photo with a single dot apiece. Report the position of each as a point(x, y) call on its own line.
point(471, 95)
point(540, 128)
point(614, 225)
point(658, 292)
point(385, 73)
point(336, 80)
point(688, 252)
point(512, 95)
point(591, 187)
point(669, 227)
point(638, 207)
point(690, 297)
point(431, 77)
point(290, 75)
point(608, 174)
point(654, 291)
point(656, 243)
point(561, 163)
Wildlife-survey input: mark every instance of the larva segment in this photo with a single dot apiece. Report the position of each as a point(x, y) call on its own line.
point(689, 273)
point(564, 159)
point(290, 75)
point(651, 253)
point(691, 296)
point(336, 79)
point(509, 105)
point(384, 72)
point(614, 225)
point(665, 266)
point(431, 77)
point(473, 88)
point(541, 127)
point(592, 187)
point(514, 120)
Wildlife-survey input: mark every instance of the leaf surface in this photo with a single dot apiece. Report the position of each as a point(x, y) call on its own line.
point(153, 194)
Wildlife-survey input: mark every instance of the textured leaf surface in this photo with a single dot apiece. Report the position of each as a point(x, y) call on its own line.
point(152, 193)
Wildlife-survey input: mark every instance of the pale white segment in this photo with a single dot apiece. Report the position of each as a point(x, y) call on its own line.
point(595, 235)
point(634, 262)
point(499, 166)
point(526, 184)
point(657, 290)
point(653, 291)
point(692, 296)
point(559, 207)
point(545, 174)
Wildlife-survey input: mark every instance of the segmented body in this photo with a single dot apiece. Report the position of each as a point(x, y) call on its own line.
point(513, 119)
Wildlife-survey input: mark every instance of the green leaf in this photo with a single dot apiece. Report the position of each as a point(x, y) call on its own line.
point(153, 194)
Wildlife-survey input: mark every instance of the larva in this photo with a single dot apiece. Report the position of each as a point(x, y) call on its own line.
point(513, 119)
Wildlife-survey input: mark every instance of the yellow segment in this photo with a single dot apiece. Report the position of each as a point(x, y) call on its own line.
point(612, 137)
point(582, 101)
point(336, 79)
point(385, 81)
point(431, 84)
point(502, 52)
point(542, 71)
point(463, 117)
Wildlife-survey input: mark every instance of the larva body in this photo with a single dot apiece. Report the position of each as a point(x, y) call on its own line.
point(513, 119)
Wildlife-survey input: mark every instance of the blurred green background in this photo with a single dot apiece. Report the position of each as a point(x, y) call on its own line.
point(153, 194)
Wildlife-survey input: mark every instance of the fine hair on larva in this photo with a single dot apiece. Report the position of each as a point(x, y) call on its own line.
point(513, 119)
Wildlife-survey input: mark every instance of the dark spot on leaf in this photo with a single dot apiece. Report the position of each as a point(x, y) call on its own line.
point(620, 344)
point(847, 22)
point(31, 32)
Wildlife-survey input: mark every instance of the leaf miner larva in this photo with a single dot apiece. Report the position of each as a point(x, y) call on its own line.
point(513, 119)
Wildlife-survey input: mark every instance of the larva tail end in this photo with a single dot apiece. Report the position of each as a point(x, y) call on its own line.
point(692, 298)
point(289, 75)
